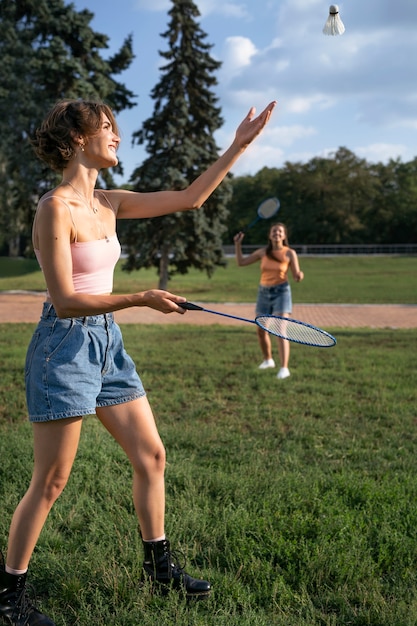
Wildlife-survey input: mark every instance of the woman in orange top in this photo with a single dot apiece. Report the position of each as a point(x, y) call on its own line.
point(274, 291)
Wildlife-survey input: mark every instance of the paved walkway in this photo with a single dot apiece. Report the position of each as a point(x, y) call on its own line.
point(26, 307)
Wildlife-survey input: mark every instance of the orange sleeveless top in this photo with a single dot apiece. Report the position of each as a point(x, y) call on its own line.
point(275, 272)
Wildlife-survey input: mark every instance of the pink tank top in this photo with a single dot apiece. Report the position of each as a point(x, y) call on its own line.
point(93, 263)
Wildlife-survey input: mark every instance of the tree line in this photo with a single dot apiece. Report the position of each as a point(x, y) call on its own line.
point(341, 199)
point(49, 51)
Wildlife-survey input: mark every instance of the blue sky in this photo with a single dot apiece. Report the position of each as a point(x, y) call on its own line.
point(357, 90)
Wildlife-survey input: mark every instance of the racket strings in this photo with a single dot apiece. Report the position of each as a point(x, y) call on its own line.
point(268, 208)
point(295, 331)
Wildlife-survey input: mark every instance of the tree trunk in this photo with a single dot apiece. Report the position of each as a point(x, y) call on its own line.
point(163, 268)
point(14, 246)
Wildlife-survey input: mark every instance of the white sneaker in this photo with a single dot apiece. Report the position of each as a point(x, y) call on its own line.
point(284, 372)
point(268, 363)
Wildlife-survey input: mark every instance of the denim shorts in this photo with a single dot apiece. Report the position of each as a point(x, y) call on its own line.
point(75, 365)
point(274, 300)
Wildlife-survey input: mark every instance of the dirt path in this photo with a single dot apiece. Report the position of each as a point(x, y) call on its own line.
point(26, 306)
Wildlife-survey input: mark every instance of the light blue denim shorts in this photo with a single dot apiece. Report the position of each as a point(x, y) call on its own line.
point(274, 300)
point(76, 364)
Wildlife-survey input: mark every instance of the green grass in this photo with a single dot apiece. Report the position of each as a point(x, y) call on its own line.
point(296, 498)
point(355, 279)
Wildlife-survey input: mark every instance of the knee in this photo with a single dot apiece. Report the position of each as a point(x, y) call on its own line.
point(158, 458)
point(152, 462)
point(53, 487)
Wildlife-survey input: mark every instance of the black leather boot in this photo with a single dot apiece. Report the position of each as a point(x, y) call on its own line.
point(15, 606)
point(160, 566)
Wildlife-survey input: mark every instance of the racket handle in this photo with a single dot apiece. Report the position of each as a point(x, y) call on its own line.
point(190, 306)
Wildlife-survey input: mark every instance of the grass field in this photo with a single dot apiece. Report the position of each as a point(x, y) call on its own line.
point(296, 498)
point(355, 279)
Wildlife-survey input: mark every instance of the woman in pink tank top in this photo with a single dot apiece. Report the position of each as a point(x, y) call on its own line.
point(77, 364)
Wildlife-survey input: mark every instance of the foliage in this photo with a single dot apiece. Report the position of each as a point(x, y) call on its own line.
point(295, 498)
point(179, 141)
point(338, 199)
point(48, 52)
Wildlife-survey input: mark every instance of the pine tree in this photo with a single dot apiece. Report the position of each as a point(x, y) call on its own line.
point(179, 141)
point(48, 52)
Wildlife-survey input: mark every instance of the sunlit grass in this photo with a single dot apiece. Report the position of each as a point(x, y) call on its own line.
point(295, 498)
point(355, 279)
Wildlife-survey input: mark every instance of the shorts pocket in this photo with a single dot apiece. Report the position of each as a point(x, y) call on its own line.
point(61, 342)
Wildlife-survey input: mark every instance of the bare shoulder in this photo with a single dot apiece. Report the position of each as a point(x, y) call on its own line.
point(256, 255)
point(55, 197)
point(117, 199)
point(53, 203)
point(52, 213)
point(108, 199)
point(116, 196)
point(259, 252)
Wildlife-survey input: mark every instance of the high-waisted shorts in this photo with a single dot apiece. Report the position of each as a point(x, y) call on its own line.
point(77, 364)
point(274, 300)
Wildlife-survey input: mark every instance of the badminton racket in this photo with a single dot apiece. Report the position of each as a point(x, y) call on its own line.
point(284, 327)
point(265, 210)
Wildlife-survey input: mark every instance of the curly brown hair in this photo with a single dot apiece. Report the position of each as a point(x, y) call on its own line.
point(55, 141)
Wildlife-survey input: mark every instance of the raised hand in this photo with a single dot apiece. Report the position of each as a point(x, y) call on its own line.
point(251, 126)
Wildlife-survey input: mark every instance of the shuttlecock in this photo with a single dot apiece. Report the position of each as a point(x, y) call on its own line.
point(334, 25)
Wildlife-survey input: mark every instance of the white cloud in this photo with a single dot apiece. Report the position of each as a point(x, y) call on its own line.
point(358, 90)
point(300, 105)
point(228, 9)
point(270, 149)
point(241, 101)
point(238, 53)
point(381, 152)
point(259, 155)
point(287, 135)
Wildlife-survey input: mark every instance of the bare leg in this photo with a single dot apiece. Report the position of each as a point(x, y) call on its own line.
point(133, 426)
point(284, 351)
point(265, 343)
point(55, 447)
point(283, 347)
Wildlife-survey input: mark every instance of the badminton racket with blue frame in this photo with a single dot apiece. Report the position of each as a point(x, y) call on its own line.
point(284, 327)
point(267, 209)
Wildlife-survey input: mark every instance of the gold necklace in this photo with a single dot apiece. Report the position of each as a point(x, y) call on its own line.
point(82, 196)
point(91, 206)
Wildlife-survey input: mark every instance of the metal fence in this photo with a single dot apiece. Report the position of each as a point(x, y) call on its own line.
point(339, 249)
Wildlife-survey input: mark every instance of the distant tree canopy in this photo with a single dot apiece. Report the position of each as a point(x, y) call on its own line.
point(180, 144)
point(334, 200)
point(48, 51)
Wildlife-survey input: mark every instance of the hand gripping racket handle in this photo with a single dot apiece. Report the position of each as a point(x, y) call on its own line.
point(190, 306)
